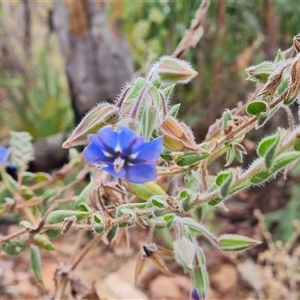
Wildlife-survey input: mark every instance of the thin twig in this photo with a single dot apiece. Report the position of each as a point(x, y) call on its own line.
point(195, 32)
point(13, 235)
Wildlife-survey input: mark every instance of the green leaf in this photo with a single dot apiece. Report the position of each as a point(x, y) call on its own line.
point(128, 211)
point(37, 177)
point(35, 257)
point(196, 227)
point(172, 70)
point(260, 177)
point(279, 57)
point(43, 242)
point(239, 156)
point(264, 118)
point(10, 184)
point(138, 86)
point(49, 194)
point(148, 120)
point(98, 228)
point(221, 178)
point(14, 247)
point(27, 177)
point(200, 280)
point(230, 155)
point(215, 201)
point(185, 251)
point(167, 94)
point(166, 156)
point(297, 145)
point(146, 190)
point(289, 101)
point(190, 158)
point(98, 218)
point(225, 180)
point(284, 159)
point(26, 224)
point(57, 216)
point(270, 151)
point(169, 218)
point(26, 192)
point(22, 149)
point(82, 200)
point(255, 108)
point(174, 109)
point(231, 242)
point(201, 256)
point(227, 116)
point(96, 118)
point(265, 144)
point(158, 201)
point(185, 197)
point(260, 72)
point(283, 85)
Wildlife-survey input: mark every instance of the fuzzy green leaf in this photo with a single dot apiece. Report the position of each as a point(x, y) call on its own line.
point(279, 57)
point(225, 180)
point(43, 242)
point(200, 280)
point(264, 118)
point(146, 190)
point(260, 177)
point(283, 85)
point(14, 247)
point(96, 118)
point(57, 216)
point(270, 151)
point(230, 242)
point(284, 159)
point(35, 258)
point(82, 200)
point(166, 156)
point(227, 116)
point(22, 149)
point(265, 144)
point(185, 251)
point(190, 158)
point(174, 110)
point(172, 70)
point(256, 108)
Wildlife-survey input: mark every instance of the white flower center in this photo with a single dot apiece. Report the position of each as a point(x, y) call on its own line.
point(118, 164)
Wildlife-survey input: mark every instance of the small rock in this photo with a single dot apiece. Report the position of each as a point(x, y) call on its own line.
point(114, 287)
point(225, 278)
point(184, 283)
point(164, 287)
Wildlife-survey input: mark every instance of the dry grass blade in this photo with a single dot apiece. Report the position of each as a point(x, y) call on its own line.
point(195, 32)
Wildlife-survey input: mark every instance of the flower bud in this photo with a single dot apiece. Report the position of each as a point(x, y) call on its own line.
point(230, 242)
point(260, 72)
point(296, 42)
point(177, 135)
point(96, 118)
point(172, 70)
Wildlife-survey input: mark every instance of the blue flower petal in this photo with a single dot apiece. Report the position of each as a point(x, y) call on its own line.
point(108, 137)
point(195, 295)
point(140, 173)
point(127, 137)
point(3, 155)
point(111, 170)
point(149, 151)
point(95, 152)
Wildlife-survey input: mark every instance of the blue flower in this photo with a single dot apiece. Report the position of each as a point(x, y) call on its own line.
point(195, 295)
point(124, 154)
point(4, 153)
